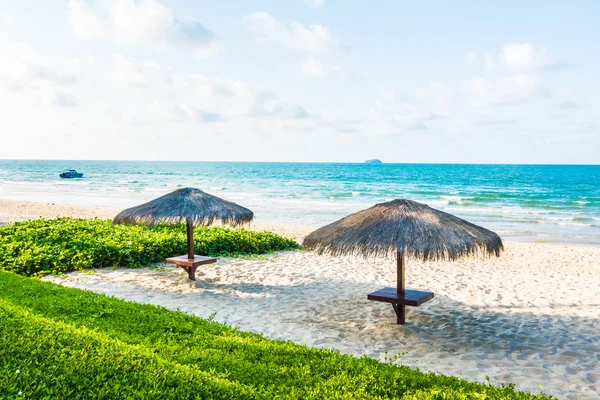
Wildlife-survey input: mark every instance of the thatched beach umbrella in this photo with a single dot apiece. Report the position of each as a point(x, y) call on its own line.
point(403, 228)
point(189, 205)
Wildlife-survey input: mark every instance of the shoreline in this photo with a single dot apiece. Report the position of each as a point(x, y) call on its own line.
point(20, 210)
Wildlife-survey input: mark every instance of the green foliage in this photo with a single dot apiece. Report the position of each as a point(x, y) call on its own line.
point(72, 343)
point(42, 246)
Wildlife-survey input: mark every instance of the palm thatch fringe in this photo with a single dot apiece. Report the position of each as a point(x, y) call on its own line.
point(187, 205)
point(407, 227)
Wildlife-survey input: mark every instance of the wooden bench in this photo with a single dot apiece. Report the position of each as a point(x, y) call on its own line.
point(409, 298)
point(190, 265)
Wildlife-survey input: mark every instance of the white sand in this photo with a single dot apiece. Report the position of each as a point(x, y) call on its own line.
point(530, 317)
point(13, 210)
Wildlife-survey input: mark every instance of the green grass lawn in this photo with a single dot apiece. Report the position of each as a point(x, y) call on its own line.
point(58, 342)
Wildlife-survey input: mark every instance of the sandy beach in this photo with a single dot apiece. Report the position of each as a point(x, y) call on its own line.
point(530, 317)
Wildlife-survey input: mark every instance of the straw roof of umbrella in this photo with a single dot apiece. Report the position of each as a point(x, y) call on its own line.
point(405, 227)
point(186, 205)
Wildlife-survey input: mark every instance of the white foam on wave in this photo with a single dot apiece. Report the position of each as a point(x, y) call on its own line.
point(355, 194)
point(17, 182)
point(574, 224)
point(456, 199)
point(432, 203)
point(72, 183)
point(217, 188)
point(508, 211)
point(582, 202)
point(559, 218)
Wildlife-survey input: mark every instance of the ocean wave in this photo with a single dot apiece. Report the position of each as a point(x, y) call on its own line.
point(343, 195)
point(72, 183)
point(456, 199)
point(217, 188)
point(433, 203)
point(511, 210)
point(20, 182)
point(124, 181)
point(580, 219)
point(560, 218)
point(491, 197)
point(123, 189)
point(575, 224)
point(554, 221)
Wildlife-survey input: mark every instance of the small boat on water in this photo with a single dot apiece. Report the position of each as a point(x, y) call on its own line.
point(71, 173)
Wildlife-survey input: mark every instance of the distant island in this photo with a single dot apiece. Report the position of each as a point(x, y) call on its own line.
point(373, 161)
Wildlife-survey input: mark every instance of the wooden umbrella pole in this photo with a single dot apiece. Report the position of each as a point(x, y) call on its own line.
point(400, 288)
point(400, 276)
point(190, 240)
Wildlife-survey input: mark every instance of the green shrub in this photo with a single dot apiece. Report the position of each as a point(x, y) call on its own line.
point(43, 246)
point(67, 339)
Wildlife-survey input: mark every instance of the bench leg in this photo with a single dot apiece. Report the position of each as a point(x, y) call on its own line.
point(400, 310)
point(191, 272)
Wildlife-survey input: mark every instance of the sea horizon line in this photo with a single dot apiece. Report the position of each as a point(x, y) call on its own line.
point(299, 162)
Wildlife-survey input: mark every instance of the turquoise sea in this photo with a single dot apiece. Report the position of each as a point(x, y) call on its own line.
point(520, 202)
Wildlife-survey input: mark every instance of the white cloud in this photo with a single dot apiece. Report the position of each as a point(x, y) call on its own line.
point(267, 29)
point(213, 48)
point(518, 82)
point(525, 58)
point(27, 72)
point(316, 69)
point(141, 74)
point(23, 63)
point(435, 92)
point(153, 112)
point(147, 23)
point(488, 61)
point(84, 20)
point(64, 98)
point(316, 3)
point(386, 94)
point(203, 116)
point(482, 92)
point(517, 57)
point(164, 95)
point(568, 105)
point(312, 67)
point(388, 117)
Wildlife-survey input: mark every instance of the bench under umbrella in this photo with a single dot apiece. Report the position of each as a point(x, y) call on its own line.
point(195, 208)
point(403, 228)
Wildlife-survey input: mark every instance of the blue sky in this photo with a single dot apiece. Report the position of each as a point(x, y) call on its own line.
point(300, 80)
